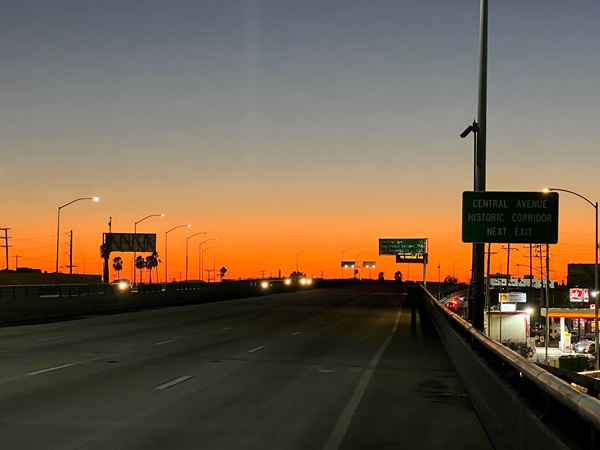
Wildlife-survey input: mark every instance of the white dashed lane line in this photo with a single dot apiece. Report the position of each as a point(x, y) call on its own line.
point(51, 369)
point(260, 347)
point(172, 383)
point(166, 342)
point(50, 338)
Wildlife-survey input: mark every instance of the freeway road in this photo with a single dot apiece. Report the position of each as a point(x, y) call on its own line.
point(347, 368)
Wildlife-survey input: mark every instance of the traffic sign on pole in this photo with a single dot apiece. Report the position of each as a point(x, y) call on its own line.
point(510, 217)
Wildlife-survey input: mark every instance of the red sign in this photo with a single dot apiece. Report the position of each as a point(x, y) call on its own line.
point(579, 295)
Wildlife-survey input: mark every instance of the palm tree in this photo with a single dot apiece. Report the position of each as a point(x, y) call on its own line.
point(151, 262)
point(104, 254)
point(118, 265)
point(140, 264)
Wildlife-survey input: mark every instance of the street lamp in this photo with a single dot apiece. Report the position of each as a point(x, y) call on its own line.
point(454, 266)
point(215, 265)
point(351, 248)
point(58, 224)
point(298, 257)
point(186, 251)
point(356, 270)
point(201, 262)
point(166, 249)
point(135, 234)
point(596, 296)
point(439, 281)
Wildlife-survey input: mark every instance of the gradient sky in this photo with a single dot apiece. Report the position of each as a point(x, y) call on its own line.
point(279, 126)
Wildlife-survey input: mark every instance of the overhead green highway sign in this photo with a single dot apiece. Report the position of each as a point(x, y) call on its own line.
point(402, 246)
point(510, 217)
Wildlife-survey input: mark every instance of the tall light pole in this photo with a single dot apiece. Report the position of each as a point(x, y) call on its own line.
point(596, 294)
point(454, 266)
point(58, 224)
point(166, 249)
point(298, 258)
point(215, 265)
point(135, 233)
point(439, 281)
point(186, 251)
point(351, 248)
point(479, 128)
point(357, 265)
point(201, 259)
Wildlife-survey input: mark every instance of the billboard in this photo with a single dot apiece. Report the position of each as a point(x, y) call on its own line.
point(579, 295)
point(130, 242)
point(512, 297)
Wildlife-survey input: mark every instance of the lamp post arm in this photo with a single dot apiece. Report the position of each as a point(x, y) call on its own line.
point(595, 205)
point(76, 200)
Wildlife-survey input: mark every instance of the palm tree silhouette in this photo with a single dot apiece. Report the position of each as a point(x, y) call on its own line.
point(151, 262)
point(118, 265)
point(140, 264)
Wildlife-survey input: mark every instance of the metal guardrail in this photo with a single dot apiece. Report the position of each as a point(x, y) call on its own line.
point(574, 415)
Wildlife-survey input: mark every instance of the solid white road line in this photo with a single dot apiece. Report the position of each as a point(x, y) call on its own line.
point(173, 382)
point(344, 421)
point(166, 342)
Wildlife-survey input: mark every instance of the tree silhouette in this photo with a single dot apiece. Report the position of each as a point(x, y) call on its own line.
point(104, 254)
point(141, 265)
point(151, 262)
point(118, 265)
point(450, 280)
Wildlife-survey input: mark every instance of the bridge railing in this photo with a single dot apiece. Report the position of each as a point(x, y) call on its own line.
point(520, 404)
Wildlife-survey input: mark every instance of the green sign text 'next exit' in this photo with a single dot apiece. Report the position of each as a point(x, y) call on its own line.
point(510, 217)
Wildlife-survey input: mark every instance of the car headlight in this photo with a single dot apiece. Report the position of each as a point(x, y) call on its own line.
point(288, 282)
point(264, 284)
point(123, 286)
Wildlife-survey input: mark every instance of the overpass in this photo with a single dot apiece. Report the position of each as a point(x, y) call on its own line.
point(344, 365)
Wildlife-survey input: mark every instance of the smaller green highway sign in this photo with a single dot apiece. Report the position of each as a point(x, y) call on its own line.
point(510, 217)
point(412, 247)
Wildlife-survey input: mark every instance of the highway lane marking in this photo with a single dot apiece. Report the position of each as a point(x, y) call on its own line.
point(225, 329)
point(326, 371)
point(260, 347)
point(173, 382)
point(166, 342)
point(341, 427)
point(50, 338)
point(51, 369)
point(296, 333)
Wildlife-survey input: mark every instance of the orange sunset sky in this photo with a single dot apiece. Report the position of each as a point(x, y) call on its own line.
point(282, 126)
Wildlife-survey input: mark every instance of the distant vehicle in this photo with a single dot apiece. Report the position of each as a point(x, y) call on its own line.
point(585, 346)
point(457, 304)
point(122, 285)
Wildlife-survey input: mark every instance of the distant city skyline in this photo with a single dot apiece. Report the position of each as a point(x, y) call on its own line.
point(280, 125)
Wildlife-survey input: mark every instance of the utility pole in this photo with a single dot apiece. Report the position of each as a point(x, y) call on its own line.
point(71, 252)
point(5, 244)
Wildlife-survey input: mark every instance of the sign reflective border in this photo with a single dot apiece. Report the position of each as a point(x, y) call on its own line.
point(510, 217)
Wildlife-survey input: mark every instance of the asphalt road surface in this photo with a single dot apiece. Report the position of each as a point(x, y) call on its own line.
point(321, 369)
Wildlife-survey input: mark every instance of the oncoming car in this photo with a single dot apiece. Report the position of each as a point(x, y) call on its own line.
point(121, 285)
